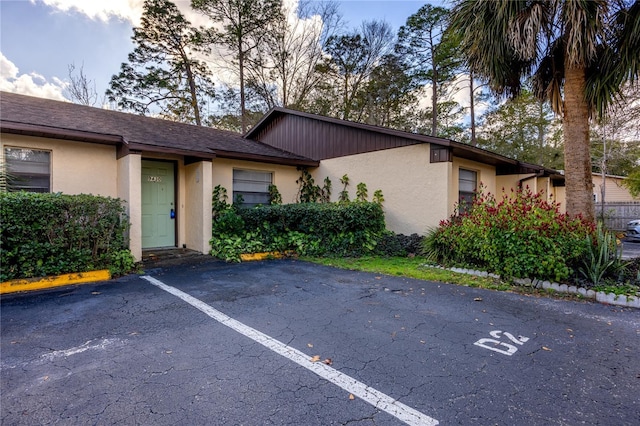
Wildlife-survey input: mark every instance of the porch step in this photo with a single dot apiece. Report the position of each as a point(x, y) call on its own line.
point(153, 258)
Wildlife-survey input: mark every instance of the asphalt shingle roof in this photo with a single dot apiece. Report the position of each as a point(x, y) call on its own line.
point(134, 129)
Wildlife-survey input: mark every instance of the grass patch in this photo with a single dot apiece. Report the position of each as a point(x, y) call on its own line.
point(411, 268)
point(419, 268)
point(619, 290)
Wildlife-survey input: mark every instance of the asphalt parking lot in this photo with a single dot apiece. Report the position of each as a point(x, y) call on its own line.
point(630, 250)
point(291, 343)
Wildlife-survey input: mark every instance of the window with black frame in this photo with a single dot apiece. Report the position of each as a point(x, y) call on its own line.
point(252, 186)
point(27, 169)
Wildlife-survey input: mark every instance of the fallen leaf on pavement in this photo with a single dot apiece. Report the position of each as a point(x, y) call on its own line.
point(546, 348)
point(351, 397)
point(309, 345)
point(315, 358)
point(328, 361)
point(477, 299)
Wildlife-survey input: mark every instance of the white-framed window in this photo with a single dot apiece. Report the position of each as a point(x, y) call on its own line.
point(252, 186)
point(28, 169)
point(467, 185)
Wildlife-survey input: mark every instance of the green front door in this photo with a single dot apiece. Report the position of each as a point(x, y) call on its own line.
point(158, 208)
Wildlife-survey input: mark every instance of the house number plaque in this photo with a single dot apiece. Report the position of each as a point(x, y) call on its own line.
point(154, 179)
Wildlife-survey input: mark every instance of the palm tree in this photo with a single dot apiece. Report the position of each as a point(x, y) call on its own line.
point(578, 53)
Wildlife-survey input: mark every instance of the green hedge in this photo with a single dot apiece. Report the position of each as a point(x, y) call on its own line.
point(336, 229)
point(50, 234)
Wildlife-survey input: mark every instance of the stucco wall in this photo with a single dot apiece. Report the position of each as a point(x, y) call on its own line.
point(415, 190)
point(198, 201)
point(129, 190)
point(76, 167)
point(284, 177)
point(509, 182)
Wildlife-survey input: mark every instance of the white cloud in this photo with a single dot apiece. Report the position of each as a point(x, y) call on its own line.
point(128, 10)
point(32, 84)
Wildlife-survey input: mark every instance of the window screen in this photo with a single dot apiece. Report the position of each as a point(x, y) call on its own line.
point(253, 186)
point(28, 169)
point(467, 184)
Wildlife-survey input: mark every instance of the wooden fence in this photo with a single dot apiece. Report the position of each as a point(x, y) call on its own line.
point(618, 214)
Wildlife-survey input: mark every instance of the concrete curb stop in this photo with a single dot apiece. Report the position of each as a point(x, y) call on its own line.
point(34, 284)
point(248, 257)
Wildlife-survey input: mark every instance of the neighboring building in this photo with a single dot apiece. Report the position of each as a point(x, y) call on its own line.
point(421, 177)
point(166, 171)
point(615, 191)
point(619, 207)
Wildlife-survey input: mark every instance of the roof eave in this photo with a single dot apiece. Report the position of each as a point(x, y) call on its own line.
point(136, 147)
point(299, 162)
point(16, 128)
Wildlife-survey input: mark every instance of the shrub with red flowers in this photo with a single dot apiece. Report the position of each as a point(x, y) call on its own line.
point(519, 235)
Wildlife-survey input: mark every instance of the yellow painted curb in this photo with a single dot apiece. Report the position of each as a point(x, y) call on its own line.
point(29, 284)
point(245, 257)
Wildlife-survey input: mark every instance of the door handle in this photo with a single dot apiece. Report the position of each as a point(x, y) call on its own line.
point(172, 214)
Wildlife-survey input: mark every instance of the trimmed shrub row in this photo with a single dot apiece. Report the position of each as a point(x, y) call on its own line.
point(334, 229)
point(51, 234)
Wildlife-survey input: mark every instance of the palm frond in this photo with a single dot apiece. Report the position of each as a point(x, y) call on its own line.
point(530, 22)
point(584, 25)
point(617, 60)
point(548, 79)
point(483, 27)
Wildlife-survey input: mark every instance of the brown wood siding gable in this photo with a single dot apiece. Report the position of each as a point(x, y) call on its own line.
point(320, 140)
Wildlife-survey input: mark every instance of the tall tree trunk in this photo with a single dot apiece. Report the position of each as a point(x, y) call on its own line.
point(577, 157)
point(192, 91)
point(472, 110)
point(434, 104)
point(434, 87)
point(346, 111)
point(541, 130)
point(241, 53)
point(243, 118)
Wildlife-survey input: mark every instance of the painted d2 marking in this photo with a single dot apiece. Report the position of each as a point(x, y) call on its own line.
point(518, 341)
point(510, 349)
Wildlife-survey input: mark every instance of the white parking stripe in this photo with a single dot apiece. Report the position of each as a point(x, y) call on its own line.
point(349, 384)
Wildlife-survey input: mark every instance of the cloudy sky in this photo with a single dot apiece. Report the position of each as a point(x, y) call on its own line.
point(39, 39)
